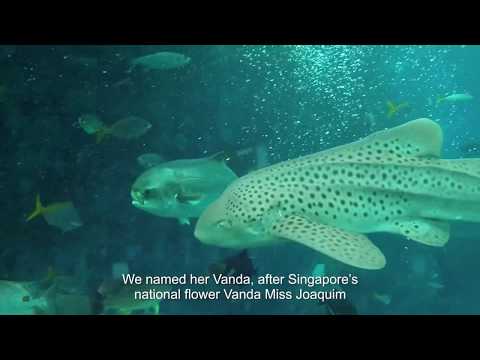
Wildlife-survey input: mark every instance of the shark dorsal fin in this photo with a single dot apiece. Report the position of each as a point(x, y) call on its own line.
point(417, 138)
point(421, 138)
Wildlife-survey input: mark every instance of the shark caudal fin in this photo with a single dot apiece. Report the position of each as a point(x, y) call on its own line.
point(39, 209)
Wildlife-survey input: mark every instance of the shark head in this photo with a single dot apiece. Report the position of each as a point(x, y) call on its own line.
point(217, 226)
point(214, 225)
point(232, 221)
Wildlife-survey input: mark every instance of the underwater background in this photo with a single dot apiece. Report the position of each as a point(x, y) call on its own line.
point(278, 102)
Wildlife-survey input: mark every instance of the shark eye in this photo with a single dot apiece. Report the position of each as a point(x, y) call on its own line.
point(26, 298)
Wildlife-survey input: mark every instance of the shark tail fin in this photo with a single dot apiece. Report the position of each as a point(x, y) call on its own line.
point(39, 209)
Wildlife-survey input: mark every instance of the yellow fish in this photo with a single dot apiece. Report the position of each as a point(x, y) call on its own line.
point(393, 109)
point(90, 123)
point(62, 215)
point(127, 128)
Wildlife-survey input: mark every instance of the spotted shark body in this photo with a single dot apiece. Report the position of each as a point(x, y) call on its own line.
point(391, 181)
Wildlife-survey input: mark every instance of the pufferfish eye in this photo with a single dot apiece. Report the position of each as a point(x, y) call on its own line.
point(147, 193)
point(150, 193)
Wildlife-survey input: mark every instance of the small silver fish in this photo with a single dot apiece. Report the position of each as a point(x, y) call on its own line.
point(90, 123)
point(61, 215)
point(164, 60)
point(455, 98)
point(129, 128)
point(16, 299)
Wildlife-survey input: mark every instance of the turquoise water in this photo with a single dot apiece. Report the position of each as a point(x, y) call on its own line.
point(273, 103)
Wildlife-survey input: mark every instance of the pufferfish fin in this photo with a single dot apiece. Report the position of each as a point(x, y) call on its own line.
point(186, 198)
point(221, 156)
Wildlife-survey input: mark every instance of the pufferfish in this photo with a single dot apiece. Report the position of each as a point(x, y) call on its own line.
point(182, 189)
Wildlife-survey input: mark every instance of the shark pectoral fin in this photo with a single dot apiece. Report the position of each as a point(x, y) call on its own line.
point(352, 249)
point(427, 232)
point(184, 221)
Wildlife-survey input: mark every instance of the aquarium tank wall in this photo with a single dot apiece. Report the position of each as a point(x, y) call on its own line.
point(239, 179)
